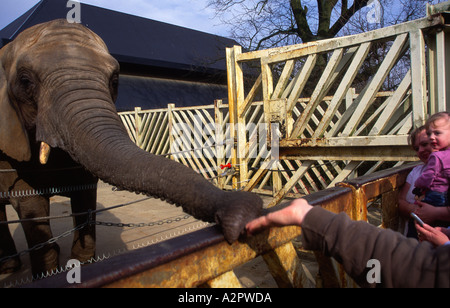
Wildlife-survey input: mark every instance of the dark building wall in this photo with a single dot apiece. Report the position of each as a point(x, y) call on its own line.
point(175, 64)
point(153, 93)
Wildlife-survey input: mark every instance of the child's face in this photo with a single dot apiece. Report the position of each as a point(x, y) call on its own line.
point(423, 146)
point(439, 134)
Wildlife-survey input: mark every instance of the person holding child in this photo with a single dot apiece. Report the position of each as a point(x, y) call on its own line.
point(419, 141)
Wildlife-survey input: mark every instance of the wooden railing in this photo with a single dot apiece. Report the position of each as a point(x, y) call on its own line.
point(204, 258)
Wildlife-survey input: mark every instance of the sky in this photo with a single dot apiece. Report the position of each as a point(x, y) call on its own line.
point(192, 14)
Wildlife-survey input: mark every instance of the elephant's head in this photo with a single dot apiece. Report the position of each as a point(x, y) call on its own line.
point(45, 75)
point(58, 84)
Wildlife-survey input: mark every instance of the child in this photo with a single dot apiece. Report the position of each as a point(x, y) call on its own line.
point(435, 179)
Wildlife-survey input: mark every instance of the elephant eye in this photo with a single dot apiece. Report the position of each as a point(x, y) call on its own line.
point(114, 84)
point(27, 84)
point(115, 81)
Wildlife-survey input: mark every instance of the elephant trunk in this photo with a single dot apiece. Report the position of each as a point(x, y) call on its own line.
point(99, 142)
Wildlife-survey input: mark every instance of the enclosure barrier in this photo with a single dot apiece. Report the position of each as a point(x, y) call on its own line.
point(204, 258)
point(170, 131)
point(348, 125)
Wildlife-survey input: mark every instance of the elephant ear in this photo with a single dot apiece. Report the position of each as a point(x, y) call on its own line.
point(13, 136)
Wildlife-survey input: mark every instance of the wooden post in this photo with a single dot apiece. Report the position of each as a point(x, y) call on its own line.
point(227, 280)
point(441, 80)
point(237, 122)
point(138, 125)
point(170, 108)
point(219, 141)
point(419, 77)
point(286, 267)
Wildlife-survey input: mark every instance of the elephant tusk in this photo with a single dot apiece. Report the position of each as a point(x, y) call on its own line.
point(44, 153)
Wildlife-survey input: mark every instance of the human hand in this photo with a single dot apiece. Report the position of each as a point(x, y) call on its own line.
point(436, 236)
point(291, 215)
point(446, 231)
point(426, 212)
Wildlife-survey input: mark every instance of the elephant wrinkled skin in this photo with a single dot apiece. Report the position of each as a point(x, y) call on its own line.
point(59, 128)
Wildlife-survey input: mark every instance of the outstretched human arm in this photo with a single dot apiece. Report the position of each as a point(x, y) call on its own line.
point(404, 262)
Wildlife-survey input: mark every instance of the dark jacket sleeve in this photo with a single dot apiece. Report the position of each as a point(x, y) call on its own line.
point(404, 262)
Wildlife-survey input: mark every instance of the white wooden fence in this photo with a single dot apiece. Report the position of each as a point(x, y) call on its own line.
point(199, 137)
point(186, 134)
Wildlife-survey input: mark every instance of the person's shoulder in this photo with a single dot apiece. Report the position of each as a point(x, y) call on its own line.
point(417, 169)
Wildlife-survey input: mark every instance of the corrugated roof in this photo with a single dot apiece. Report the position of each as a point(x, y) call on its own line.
point(133, 39)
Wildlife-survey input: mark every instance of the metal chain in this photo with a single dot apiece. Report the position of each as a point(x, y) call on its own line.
point(46, 191)
point(42, 245)
point(91, 221)
point(99, 223)
point(72, 215)
point(109, 255)
point(141, 225)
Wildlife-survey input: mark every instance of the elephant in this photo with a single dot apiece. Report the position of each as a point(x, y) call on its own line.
point(59, 127)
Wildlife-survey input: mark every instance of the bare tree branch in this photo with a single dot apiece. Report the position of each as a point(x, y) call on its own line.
point(303, 29)
point(346, 15)
point(268, 23)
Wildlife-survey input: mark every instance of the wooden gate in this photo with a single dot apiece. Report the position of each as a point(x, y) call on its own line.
point(346, 125)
